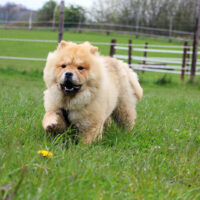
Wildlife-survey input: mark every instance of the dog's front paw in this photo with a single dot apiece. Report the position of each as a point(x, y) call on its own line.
point(51, 128)
point(52, 122)
point(55, 128)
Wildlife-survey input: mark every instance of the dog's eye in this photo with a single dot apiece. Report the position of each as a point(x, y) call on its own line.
point(63, 65)
point(80, 67)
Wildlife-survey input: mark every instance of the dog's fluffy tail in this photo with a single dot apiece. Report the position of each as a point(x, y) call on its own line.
point(133, 79)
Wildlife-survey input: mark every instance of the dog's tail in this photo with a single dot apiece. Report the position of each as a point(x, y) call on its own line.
point(133, 79)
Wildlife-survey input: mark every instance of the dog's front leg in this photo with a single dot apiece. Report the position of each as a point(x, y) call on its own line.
point(53, 121)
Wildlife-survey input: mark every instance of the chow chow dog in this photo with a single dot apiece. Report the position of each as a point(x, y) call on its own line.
point(85, 89)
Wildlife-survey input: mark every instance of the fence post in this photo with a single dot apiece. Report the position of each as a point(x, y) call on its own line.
point(145, 55)
point(129, 52)
point(61, 21)
point(6, 20)
point(137, 27)
point(30, 20)
point(188, 59)
point(54, 18)
point(170, 28)
point(195, 44)
point(79, 24)
point(184, 60)
point(112, 47)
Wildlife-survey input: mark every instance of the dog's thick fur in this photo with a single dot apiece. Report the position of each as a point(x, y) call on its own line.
point(109, 88)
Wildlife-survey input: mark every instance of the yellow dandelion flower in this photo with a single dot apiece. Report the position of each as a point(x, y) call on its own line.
point(45, 153)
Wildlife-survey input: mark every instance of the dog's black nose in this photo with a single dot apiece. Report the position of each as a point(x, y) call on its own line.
point(68, 74)
point(68, 77)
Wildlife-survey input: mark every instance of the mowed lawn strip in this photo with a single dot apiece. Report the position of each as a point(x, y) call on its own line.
point(39, 49)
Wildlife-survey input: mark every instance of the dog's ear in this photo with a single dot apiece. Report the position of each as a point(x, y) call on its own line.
point(92, 49)
point(62, 44)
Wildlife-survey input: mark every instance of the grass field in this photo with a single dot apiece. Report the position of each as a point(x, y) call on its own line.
point(160, 159)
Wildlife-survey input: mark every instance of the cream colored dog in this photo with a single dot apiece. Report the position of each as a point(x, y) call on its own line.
point(85, 89)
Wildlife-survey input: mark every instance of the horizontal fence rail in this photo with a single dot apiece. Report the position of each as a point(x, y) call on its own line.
point(168, 67)
point(3, 22)
point(159, 70)
point(21, 58)
point(97, 43)
point(153, 59)
point(155, 50)
point(150, 68)
point(99, 27)
point(136, 65)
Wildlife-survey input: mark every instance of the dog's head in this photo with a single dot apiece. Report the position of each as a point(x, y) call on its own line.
point(72, 67)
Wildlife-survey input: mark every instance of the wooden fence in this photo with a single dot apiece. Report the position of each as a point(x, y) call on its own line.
point(172, 59)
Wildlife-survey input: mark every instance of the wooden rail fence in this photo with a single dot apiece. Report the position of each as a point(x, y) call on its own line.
point(179, 63)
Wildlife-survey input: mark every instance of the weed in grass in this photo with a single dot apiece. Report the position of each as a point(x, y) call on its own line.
point(163, 80)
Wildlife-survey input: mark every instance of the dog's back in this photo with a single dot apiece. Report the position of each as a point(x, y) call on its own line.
point(121, 71)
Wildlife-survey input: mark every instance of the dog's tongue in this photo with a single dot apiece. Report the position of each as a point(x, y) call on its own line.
point(70, 88)
point(69, 85)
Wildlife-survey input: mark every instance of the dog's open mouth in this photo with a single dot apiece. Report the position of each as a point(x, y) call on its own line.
point(69, 88)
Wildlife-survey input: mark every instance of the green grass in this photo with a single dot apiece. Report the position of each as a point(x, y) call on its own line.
point(158, 160)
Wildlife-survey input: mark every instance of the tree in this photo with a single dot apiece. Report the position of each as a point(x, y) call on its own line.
point(12, 12)
point(47, 10)
point(179, 14)
point(74, 15)
point(185, 16)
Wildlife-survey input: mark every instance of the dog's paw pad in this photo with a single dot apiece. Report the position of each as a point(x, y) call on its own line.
point(51, 127)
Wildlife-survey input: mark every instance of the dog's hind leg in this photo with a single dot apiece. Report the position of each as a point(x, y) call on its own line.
point(107, 123)
point(125, 113)
point(53, 121)
point(92, 133)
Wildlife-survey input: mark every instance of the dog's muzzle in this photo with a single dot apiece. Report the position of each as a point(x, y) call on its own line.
point(69, 87)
